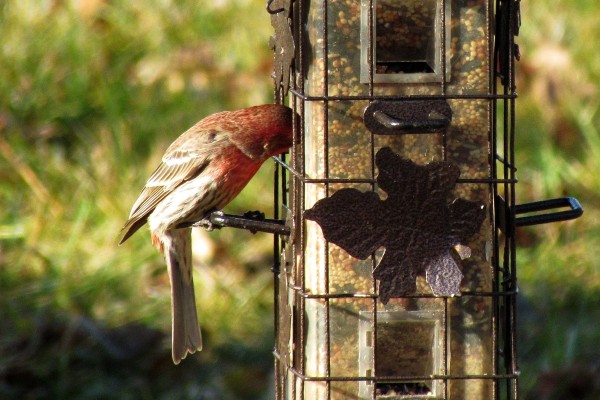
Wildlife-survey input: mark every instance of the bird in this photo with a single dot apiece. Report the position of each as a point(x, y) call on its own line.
point(201, 172)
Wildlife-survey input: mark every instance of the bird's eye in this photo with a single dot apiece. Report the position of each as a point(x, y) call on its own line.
point(212, 135)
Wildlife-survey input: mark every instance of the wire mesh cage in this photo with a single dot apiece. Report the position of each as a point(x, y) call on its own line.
point(404, 139)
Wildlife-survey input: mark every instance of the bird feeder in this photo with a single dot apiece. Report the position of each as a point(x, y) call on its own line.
point(398, 277)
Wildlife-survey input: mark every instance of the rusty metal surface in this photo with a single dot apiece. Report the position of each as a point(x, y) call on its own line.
point(282, 44)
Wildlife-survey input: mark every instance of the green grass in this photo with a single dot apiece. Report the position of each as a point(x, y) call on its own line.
point(558, 145)
point(89, 100)
point(92, 92)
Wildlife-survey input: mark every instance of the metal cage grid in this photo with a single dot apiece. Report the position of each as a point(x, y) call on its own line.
point(291, 180)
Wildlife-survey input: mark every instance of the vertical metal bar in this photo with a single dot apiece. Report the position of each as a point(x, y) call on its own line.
point(325, 34)
point(442, 28)
point(370, 46)
point(370, 49)
point(511, 83)
point(443, 49)
point(445, 352)
point(510, 312)
point(374, 344)
point(286, 187)
point(508, 246)
point(276, 272)
point(443, 45)
point(299, 165)
point(493, 79)
point(300, 266)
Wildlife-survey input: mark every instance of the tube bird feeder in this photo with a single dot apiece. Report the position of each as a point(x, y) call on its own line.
point(398, 278)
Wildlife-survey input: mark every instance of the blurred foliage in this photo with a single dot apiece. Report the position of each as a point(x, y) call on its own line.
point(558, 154)
point(92, 92)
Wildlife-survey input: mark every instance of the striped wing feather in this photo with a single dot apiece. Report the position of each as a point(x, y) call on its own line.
point(187, 157)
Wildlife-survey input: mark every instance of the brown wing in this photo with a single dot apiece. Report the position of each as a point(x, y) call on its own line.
point(187, 157)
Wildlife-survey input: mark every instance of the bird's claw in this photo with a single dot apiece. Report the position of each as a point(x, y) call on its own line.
point(255, 215)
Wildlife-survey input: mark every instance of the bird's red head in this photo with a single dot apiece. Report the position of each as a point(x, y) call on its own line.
point(267, 130)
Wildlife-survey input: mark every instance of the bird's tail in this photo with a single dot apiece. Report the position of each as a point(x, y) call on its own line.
point(186, 330)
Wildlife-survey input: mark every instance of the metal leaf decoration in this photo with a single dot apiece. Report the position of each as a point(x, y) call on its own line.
point(282, 42)
point(416, 224)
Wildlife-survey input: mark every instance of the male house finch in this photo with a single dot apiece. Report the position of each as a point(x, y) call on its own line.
point(202, 171)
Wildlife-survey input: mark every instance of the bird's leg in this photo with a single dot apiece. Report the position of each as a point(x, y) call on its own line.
point(157, 242)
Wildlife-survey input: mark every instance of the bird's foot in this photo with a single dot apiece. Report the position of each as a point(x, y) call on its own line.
point(255, 215)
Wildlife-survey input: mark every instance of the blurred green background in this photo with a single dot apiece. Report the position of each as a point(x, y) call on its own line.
point(92, 92)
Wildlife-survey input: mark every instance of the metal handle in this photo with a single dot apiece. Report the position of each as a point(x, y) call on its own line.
point(397, 117)
point(575, 211)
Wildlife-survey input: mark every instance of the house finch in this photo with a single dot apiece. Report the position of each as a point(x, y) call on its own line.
point(202, 171)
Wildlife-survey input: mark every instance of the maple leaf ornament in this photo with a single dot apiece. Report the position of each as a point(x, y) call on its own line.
point(416, 224)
